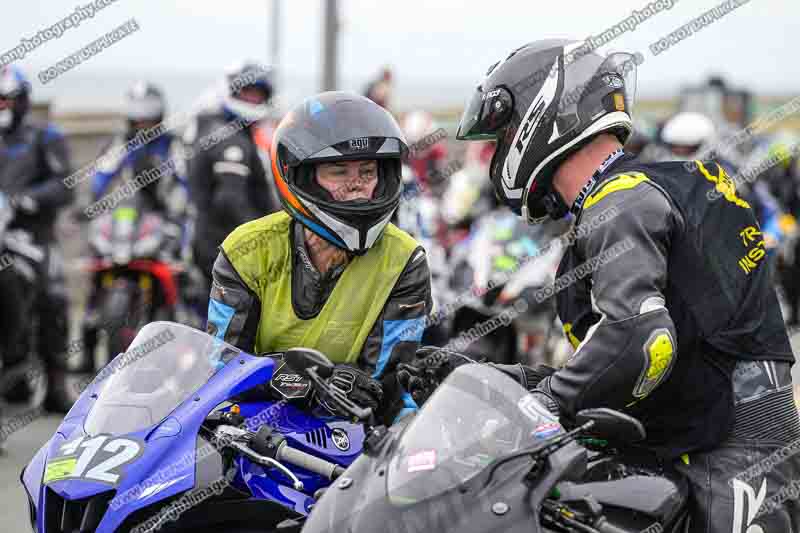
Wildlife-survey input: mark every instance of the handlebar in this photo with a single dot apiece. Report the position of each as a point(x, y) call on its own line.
point(293, 456)
point(558, 514)
point(309, 462)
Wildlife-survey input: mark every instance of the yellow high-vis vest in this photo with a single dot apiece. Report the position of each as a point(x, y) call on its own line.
point(260, 252)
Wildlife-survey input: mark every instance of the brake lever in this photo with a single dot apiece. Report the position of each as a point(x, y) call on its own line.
point(360, 414)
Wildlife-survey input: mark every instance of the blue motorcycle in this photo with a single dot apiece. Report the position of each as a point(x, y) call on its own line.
point(184, 432)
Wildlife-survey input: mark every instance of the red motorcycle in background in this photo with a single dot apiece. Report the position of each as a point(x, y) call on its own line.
point(138, 275)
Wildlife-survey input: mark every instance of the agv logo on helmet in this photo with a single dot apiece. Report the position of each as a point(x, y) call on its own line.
point(359, 144)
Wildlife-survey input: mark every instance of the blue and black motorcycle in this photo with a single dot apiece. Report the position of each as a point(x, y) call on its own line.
point(184, 432)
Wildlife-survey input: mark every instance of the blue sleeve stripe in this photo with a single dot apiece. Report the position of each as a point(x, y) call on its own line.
point(409, 406)
point(394, 332)
point(220, 315)
point(409, 402)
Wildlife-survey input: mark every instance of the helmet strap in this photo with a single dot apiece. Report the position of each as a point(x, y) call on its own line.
point(554, 205)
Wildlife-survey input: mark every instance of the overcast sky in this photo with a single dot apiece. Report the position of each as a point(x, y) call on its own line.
point(444, 44)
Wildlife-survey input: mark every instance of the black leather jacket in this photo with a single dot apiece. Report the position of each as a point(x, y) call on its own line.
point(229, 183)
point(663, 293)
point(34, 161)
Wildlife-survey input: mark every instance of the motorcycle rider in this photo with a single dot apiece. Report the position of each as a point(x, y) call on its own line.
point(34, 160)
point(428, 154)
point(671, 312)
point(161, 163)
point(330, 271)
point(229, 181)
point(145, 108)
point(379, 90)
point(783, 180)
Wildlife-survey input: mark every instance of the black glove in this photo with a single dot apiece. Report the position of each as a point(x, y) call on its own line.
point(358, 386)
point(535, 375)
point(543, 393)
point(527, 376)
point(421, 377)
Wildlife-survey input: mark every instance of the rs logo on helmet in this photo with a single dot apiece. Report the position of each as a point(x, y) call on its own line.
point(533, 117)
point(527, 129)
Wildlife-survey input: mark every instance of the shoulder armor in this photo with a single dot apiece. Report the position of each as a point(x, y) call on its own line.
point(620, 182)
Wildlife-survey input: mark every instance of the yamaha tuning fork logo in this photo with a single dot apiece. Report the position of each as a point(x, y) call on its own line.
point(340, 439)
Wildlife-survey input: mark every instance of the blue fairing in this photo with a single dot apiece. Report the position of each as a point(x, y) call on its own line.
point(168, 461)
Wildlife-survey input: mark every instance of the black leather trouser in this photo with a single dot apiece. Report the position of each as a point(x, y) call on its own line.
point(750, 483)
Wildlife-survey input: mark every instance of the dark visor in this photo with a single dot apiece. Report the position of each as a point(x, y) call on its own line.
point(485, 114)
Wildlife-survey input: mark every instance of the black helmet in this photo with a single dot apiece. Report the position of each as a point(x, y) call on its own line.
point(144, 102)
point(542, 103)
point(14, 85)
point(338, 126)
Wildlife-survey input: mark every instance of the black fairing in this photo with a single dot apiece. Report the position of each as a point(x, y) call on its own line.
point(650, 498)
point(365, 502)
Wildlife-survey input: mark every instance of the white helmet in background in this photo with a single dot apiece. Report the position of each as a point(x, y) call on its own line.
point(467, 196)
point(687, 133)
point(247, 90)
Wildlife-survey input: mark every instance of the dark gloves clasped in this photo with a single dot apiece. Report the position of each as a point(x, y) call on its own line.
point(421, 377)
point(359, 387)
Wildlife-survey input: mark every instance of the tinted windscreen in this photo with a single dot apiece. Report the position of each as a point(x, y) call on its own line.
point(165, 365)
point(478, 414)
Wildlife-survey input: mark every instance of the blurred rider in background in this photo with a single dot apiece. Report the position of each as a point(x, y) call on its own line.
point(34, 161)
point(688, 136)
point(145, 108)
point(380, 89)
point(427, 150)
point(229, 179)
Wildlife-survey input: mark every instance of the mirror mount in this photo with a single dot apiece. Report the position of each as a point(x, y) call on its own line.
point(613, 425)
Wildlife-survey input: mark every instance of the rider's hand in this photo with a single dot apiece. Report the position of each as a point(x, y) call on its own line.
point(527, 376)
point(421, 377)
point(357, 385)
point(535, 375)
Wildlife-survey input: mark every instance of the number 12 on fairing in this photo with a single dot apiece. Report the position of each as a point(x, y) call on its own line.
point(89, 459)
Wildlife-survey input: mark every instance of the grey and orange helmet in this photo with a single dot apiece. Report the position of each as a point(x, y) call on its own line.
point(338, 126)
